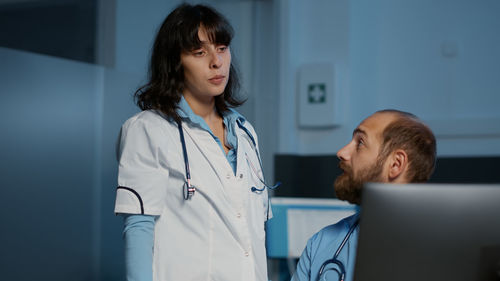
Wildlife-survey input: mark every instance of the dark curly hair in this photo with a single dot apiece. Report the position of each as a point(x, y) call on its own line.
point(178, 33)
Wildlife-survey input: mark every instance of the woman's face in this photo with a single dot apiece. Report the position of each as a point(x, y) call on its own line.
point(206, 70)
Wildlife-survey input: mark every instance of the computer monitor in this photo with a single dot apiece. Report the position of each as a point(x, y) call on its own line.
point(429, 232)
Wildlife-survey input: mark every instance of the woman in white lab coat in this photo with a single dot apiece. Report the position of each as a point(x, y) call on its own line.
point(190, 182)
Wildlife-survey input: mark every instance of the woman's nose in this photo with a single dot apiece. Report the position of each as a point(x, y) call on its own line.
point(216, 60)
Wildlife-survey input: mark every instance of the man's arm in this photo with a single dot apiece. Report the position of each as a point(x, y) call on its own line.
point(303, 271)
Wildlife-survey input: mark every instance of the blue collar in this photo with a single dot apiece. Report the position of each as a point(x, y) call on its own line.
point(231, 119)
point(186, 113)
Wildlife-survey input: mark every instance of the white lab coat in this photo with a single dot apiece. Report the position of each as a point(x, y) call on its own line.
point(216, 235)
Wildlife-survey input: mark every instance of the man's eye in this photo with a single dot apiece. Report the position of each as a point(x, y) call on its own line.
point(359, 143)
point(222, 48)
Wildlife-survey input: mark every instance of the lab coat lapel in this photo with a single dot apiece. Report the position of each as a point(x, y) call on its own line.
point(227, 196)
point(210, 150)
point(241, 164)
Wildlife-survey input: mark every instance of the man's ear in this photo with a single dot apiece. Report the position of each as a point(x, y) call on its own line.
point(398, 165)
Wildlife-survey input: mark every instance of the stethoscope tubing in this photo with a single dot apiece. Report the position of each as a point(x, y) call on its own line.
point(190, 190)
point(255, 189)
point(334, 259)
point(184, 151)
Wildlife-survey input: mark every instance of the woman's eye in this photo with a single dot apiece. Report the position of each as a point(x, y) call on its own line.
point(198, 53)
point(222, 48)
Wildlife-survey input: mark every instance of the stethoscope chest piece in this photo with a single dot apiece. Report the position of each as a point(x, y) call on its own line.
point(188, 190)
point(339, 267)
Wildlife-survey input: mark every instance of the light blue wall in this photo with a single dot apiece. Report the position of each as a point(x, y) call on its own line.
point(136, 26)
point(309, 33)
point(437, 59)
point(117, 106)
point(401, 58)
point(48, 113)
point(60, 118)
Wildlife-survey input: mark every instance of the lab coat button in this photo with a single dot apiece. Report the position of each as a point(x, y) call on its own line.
point(228, 176)
point(247, 254)
point(238, 215)
point(241, 176)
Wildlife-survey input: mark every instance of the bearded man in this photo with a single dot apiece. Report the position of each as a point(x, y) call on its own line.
point(389, 146)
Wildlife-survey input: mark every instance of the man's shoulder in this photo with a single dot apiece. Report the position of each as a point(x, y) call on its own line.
point(332, 231)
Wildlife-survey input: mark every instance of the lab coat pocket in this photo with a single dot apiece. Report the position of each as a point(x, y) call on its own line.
point(256, 216)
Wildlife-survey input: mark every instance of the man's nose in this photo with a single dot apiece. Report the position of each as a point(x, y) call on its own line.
point(345, 152)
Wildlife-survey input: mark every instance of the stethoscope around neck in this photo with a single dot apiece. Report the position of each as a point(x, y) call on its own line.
point(334, 260)
point(189, 189)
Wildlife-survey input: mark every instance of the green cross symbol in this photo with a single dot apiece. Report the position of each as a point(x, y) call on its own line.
point(316, 93)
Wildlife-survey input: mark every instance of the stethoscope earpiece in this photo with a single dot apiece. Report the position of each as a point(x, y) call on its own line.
point(255, 189)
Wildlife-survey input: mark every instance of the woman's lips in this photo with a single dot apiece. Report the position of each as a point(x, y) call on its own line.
point(217, 80)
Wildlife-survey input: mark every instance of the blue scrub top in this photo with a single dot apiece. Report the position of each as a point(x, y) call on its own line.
point(322, 246)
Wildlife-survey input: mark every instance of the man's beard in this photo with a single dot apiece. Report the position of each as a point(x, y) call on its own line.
point(347, 187)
